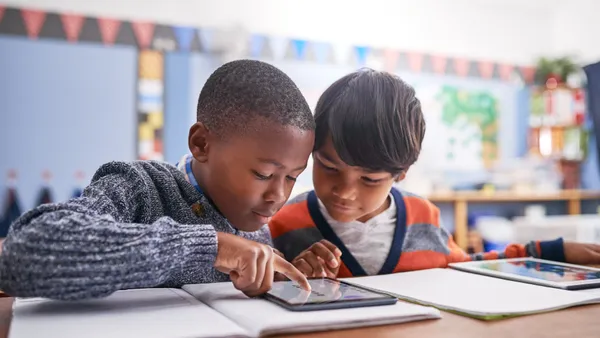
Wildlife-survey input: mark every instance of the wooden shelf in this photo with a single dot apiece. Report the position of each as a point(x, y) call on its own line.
point(510, 196)
point(461, 199)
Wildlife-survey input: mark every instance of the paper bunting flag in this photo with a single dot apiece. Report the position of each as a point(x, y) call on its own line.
point(109, 28)
point(300, 49)
point(34, 20)
point(257, 43)
point(144, 32)
point(184, 36)
point(362, 53)
point(72, 25)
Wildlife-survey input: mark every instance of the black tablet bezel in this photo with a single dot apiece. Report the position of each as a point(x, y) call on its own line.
point(338, 304)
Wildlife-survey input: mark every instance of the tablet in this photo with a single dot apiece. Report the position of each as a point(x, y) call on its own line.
point(536, 271)
point(326, 294)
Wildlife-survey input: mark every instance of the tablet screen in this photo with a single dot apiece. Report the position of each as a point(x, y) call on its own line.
point(323, 291)
point(541, 270)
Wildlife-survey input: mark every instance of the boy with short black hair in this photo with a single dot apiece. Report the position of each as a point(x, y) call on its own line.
point(147, 224)
point(369, 132)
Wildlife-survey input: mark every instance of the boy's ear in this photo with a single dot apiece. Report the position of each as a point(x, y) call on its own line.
point(198, 141)
point(400, 176)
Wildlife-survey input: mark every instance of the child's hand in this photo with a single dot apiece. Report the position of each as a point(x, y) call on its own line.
point(279, 276)
point(252, 266)
point(322, 259)
point(579, 253)
point(278, 253)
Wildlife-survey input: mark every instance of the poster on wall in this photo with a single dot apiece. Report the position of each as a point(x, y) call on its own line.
point(462, 127)
point(150, 105)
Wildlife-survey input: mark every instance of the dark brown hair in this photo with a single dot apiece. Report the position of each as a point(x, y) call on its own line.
point(374, 120)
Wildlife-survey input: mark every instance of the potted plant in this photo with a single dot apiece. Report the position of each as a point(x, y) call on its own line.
point(558, 70)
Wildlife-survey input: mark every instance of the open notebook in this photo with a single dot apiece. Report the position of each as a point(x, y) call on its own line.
point(203, 310)
point(475, 295)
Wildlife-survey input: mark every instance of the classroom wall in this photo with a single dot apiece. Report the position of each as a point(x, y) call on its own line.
point(575, 29)
point(185, 75)
point(108, 102)
point(178, 104)
point(63, 108)
point(508, 31)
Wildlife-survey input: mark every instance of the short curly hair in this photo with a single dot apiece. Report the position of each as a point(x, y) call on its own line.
point(239, 91)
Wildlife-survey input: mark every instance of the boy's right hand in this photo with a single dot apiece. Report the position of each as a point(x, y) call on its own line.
point(252, 266)
point(321, 259)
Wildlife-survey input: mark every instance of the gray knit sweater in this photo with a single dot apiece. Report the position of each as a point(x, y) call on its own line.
point(134, 227)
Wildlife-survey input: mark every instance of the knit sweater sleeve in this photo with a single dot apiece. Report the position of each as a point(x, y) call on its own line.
point(549, 250)
point(92, 246)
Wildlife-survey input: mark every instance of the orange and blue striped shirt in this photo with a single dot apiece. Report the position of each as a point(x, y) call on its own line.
point(419, 242)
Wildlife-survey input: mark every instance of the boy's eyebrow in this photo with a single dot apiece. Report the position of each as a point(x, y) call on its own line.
point(327, 157)
point(277, 164)
point(370, 171)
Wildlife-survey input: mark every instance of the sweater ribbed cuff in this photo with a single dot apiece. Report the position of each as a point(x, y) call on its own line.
point(552, 250)
point(201, 248)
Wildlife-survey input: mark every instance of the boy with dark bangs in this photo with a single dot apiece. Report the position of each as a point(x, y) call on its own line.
point(369, 132)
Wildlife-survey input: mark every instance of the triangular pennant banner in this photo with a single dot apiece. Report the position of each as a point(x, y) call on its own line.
point(34, 20)
point(196, 45)
point(206, 36)
point(279, 46)
point(474, 69)
point(90, 31)
point(427, 65)
point(126, 36)
point(144, 31)
point(290, 52)
point(266, 51)
point(322, 51)
point(438, 63)
point(184, 36)
point(2, 9)
point(361, 54)
point(342, 53)
point(257, 43)
point(11, 212)
point(376, 59)
point(529, 74)
point(309, 55)
point(52, 27)
point(390, 59)
point(486, 69)
point(72, 24)
point(496, 72)
point(300, 48)
point(402, 62)
point(415, 61)
point(109, 28)
point(12, 23)
point(506, 72)
point(44, 196)
point(164, 38)
point(461, 66)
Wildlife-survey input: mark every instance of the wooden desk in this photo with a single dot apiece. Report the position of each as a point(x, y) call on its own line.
point(461, 199)
point(580, 322)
